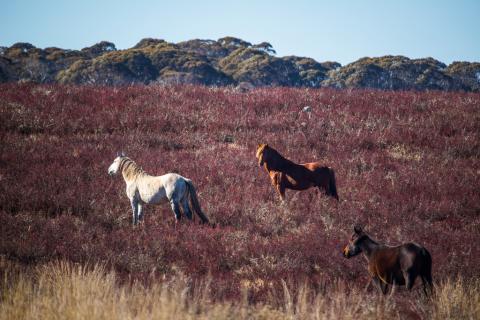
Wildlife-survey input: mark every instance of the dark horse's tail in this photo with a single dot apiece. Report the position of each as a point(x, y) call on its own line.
point(426, 272)
point(332, 184)
point(194, 202)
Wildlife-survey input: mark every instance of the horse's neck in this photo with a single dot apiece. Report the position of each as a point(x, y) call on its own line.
point(281, 163)
point(131, 171)
point(128, 177)
point(369, 247)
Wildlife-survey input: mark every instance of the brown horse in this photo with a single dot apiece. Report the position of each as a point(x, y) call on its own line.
point(387, 265)
point(286, 174)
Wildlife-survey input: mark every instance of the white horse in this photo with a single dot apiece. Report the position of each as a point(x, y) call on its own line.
point(143, 188)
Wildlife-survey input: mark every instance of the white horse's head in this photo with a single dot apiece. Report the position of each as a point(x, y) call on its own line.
point(113, 169)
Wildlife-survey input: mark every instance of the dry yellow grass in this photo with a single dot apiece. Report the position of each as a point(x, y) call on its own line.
point(65, 291)
point(457, 300)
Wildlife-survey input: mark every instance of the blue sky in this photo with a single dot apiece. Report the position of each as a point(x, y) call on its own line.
point(338, 30)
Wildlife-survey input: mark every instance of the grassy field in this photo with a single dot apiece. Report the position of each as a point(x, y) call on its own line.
point(67, 291)
point(407, 168)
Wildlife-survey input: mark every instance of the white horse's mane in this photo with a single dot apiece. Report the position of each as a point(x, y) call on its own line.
point(130, 169)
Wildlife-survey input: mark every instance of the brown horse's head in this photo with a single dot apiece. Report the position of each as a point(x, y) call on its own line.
point(353, 247)
point(262, 153)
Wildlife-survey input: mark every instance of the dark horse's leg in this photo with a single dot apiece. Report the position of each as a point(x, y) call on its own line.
point(393, 287)
point(323, 190)
point(381, 285)
point(410, 277)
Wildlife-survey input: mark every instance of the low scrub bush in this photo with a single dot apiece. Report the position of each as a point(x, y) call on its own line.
point(407, 168)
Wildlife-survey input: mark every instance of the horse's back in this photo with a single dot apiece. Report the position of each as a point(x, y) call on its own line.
point(413, 248)
point(156, 189)
point(314, 166)
point(415, 255)
point(387, 257)
point(171, 178)
point(150, 189)
point(174, 184)
point(321, 173)
point(417, 250)
point(318, 168)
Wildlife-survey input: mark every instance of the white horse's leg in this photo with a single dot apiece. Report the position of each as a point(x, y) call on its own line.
point(175, 208)
point(140, 212)
point(134, 204)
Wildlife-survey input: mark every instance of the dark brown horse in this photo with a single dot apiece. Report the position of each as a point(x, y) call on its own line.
point(286, 174)
point(387, 265)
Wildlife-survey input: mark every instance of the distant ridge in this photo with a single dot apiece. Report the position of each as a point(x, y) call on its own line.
point(226, 61)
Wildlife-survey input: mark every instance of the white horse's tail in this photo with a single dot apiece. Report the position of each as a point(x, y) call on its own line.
point(194, 201)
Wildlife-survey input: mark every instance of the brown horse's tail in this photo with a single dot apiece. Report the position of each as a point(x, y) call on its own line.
point(194, 201)
point(332, 185)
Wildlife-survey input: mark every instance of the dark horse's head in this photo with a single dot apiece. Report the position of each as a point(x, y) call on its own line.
point(353, 247)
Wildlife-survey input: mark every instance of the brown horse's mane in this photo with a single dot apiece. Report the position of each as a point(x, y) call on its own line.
point(278, 162)
point(130, 169)
point(365, 239)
